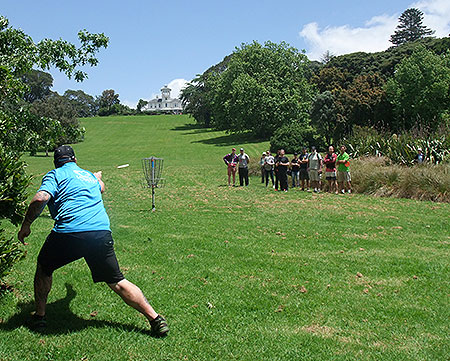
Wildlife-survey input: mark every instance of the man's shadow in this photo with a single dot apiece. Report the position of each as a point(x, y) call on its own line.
point(60, 319)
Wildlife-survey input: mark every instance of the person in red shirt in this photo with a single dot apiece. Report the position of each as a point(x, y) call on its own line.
point(330, 171)
point(231, 160)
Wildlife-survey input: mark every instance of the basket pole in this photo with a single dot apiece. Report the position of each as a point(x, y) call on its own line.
point(153, 185)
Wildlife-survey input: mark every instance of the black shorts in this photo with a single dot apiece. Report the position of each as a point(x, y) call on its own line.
point(96, 247)
point(304, 174)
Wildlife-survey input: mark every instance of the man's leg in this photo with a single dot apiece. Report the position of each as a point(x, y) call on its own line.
point(133, 296)
point(42, 287)
point(229, 175)
point(246, 176)
point(241, 177)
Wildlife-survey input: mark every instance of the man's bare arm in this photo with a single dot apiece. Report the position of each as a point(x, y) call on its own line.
point(35, 208)
point(98, 175)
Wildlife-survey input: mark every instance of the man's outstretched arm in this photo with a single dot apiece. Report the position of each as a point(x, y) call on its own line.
point(98, 175)
point(35, 208)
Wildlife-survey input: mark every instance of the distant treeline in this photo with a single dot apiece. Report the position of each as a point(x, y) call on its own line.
point(274, 91)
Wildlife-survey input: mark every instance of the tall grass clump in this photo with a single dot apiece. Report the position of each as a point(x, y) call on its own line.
point(381, 177)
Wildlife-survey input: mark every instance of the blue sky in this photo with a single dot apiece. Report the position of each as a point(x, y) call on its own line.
point(153, 43)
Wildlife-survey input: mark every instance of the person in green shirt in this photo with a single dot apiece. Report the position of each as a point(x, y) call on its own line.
point(343, 172)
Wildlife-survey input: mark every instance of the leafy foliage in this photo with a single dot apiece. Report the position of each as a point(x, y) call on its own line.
point(384, 62)
point(293, 137)
point(197, 96)
point(62, 122)
point(38, 84)
point(13, 185)
point(141, 103)
point(84, 104)
point(419, 90)
point(262, 88)
point(19, 127)
point(107, 99)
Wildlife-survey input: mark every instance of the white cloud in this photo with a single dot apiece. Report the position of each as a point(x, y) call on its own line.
point(376, 32)
point(176, 85)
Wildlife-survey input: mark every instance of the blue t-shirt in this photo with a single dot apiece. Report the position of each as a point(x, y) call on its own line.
point(76, 204)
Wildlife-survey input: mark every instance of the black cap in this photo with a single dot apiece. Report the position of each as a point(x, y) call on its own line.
point(62, 155)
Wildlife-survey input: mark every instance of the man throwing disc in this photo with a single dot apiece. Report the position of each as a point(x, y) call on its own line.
point(73, 196)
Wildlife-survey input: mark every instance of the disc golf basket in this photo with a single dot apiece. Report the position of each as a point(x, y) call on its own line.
point(152, 168)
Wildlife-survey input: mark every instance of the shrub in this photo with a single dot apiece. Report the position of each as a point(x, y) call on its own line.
point(380, 177)
point(293, 137)
point(402, 148)
point(13, 185)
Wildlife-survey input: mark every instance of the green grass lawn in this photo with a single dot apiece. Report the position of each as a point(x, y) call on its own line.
point(239, 273)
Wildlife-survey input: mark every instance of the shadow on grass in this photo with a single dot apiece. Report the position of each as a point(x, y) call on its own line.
point(231, 139)
point(194, 129)
point(60, 319)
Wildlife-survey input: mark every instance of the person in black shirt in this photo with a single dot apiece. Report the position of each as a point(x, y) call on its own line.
point(295, 169)
point(304, 177)
point(283, 165)
point(275, 170)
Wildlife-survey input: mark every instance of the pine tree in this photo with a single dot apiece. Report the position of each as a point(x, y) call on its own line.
point(410, 27)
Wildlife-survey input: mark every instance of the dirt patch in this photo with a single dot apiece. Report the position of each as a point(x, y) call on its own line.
point(316, 329)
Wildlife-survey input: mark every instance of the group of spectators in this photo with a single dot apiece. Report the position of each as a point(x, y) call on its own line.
point(306, 169)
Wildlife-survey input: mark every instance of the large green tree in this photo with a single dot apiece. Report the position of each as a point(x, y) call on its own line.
point(38, 85)
point(108, 102)
point(420, 90)
point(60, 109)
point(84, 104)
point(18, 55)
point(411, 27)
point(263, 88)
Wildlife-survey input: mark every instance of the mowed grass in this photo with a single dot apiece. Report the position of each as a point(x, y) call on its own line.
point(240, 273)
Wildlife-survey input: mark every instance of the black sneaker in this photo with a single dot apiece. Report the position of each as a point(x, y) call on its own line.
point(37, 322)
point(159, 327)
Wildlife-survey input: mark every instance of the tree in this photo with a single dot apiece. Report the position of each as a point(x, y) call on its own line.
point(38, 83)
point(365, 103)
point(420, 90)
point(84, 104)
point(331, 79)
point(327, 57)
point(197, 96)
point(141, 103)
point(410, 27)
point(106, 101)
point(325, 117)
point(262, 88)
point(60, 109)
point(18, 55)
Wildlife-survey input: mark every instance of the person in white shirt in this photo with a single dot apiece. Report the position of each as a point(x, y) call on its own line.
point(261, 165)
point(269, 162)
point(243, 167)
point(314, 169)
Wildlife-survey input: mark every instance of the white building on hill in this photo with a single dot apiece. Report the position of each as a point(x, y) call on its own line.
point(165, 103)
